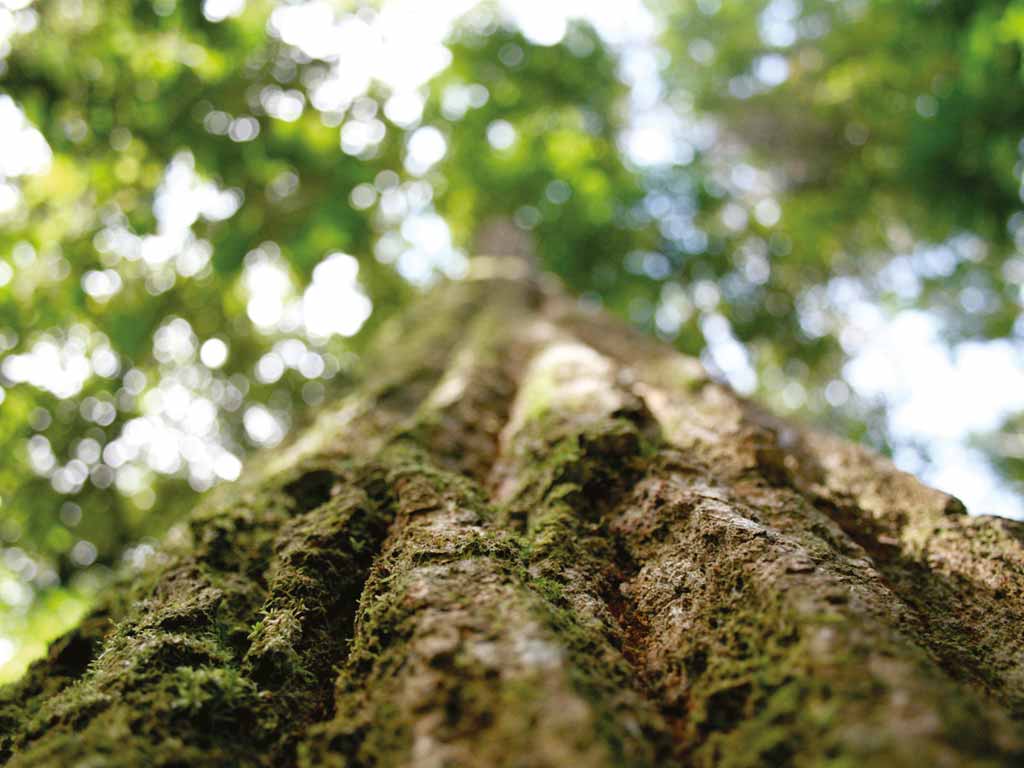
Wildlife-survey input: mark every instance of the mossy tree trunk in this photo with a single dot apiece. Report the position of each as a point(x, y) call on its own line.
point(537, 538)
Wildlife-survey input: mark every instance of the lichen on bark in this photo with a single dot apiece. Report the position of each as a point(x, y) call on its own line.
point(534, 537)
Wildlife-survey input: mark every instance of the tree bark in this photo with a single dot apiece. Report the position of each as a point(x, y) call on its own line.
point(535, 537)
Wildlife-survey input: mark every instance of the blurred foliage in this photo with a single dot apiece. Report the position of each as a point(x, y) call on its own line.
point(876, 153)
point(218, 198)
point(882, 125)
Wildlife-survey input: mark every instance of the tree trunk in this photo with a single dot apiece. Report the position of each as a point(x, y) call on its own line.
point(537, 538)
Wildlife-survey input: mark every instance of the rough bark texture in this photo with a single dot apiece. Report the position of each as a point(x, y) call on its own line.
point(537, 538)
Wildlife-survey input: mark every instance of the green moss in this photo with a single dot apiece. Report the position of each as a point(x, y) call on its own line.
point(570, 478)
point(211, 694)
point(587, 468)
point(606, 680)
point(227, 644)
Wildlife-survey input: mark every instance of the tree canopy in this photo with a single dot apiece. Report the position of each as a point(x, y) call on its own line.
point(207, 208)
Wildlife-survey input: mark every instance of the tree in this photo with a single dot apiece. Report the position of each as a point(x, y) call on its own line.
point(537, 537)
point(817, 159)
